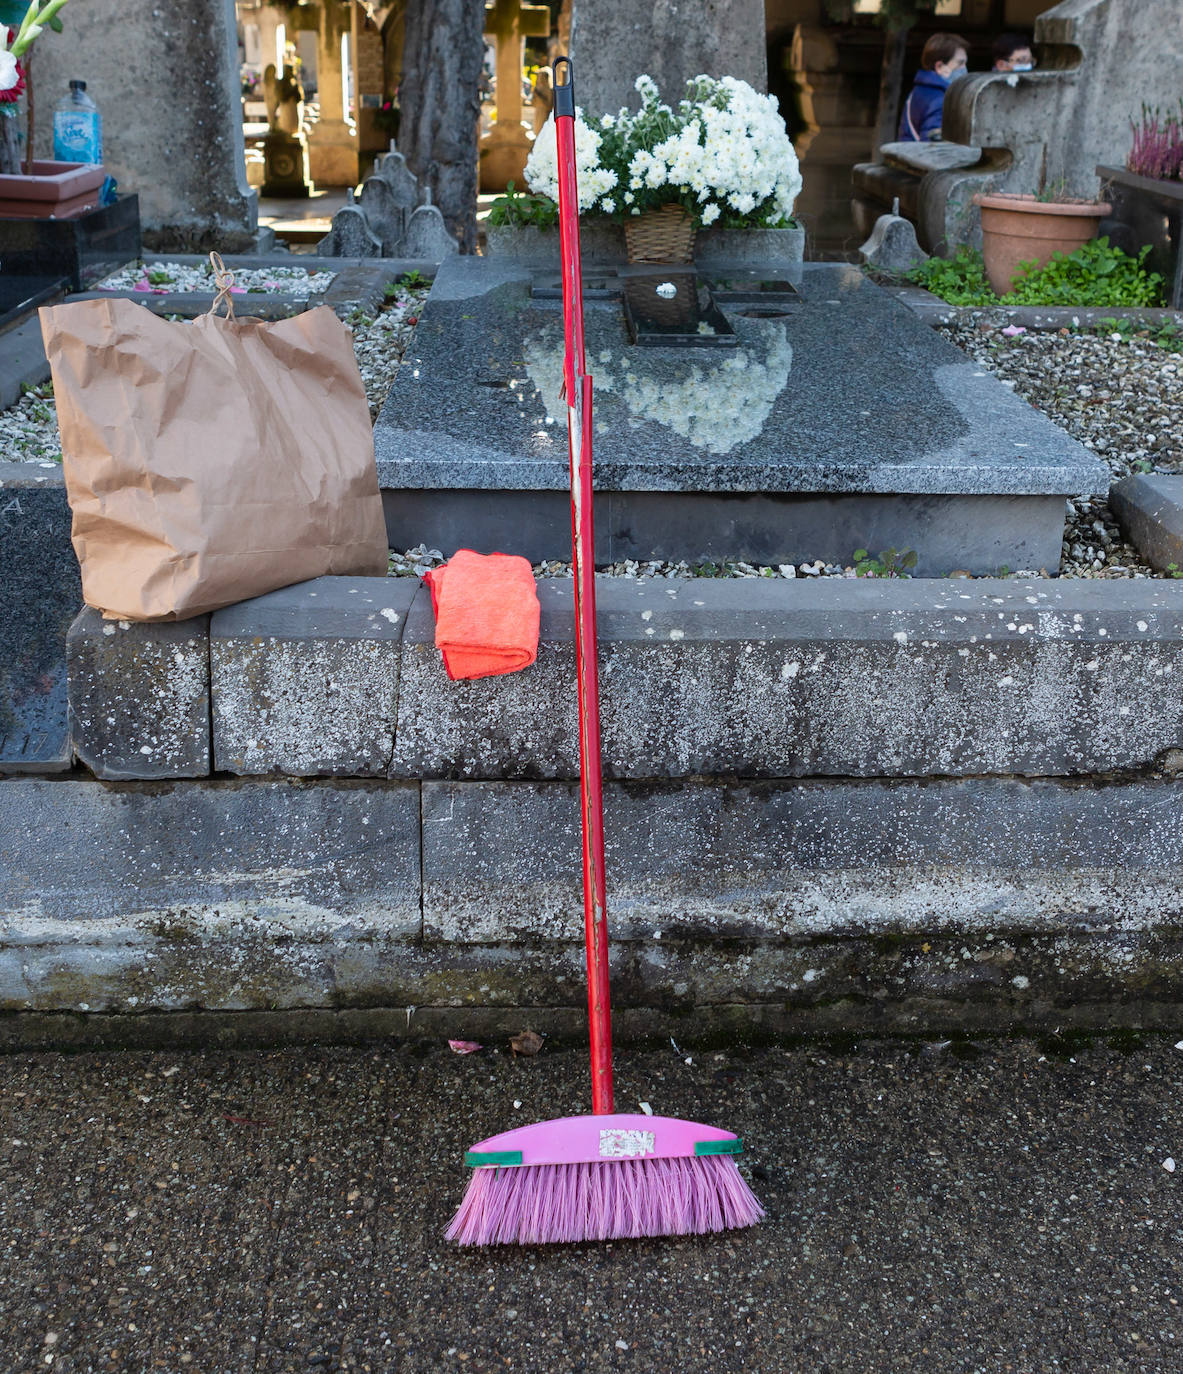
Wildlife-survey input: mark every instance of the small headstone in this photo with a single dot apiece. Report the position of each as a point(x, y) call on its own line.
point(386, 218)
point(350, 236)
point(428, 237)
point(892, 245)
point(392, 168)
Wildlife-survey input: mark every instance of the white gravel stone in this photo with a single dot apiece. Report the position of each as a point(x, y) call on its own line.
point(167, 277)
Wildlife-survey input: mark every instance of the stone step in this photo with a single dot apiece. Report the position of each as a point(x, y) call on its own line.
point(750, 678)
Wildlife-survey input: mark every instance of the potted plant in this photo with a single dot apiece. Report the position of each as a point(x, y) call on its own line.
point(1147, 196)
point(37, 189)
point(720, 162)
point(1025, 230)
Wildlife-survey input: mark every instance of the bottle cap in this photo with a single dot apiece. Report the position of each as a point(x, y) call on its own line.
point(78, 85)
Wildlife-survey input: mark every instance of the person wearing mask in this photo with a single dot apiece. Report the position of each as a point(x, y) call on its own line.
point(942, 61)
point(1012, 53)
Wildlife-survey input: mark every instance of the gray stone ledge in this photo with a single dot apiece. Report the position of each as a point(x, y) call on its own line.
point(22, 361)
point(305, 680)
point(819, 906)
point(139, 697)
point(935, 311)
point(865, 678)
point(1149, 509)
point(819, 860)
point(107, 867)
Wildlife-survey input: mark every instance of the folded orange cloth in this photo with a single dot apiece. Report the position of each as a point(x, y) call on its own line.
point(486, 613)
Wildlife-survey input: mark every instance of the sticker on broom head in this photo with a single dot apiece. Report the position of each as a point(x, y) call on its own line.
point(625, 1144)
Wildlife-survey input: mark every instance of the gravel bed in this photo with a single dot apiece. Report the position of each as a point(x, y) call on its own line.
point(162, 278)
point(29, 430)
point(381, 340)
point(1121, 397)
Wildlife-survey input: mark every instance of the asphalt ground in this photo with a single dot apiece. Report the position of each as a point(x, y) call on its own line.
point(931, 1207)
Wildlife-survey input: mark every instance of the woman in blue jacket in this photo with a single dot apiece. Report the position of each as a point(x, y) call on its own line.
point(942, 61)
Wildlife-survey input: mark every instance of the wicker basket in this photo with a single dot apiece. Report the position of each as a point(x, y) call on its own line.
point(665, 235)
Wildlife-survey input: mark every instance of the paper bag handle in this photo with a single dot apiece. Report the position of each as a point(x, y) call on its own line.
point(224, 280)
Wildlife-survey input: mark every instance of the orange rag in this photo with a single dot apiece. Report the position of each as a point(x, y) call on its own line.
point(486, 613)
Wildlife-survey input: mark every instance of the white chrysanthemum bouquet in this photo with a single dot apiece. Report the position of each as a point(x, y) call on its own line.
point(723, 154)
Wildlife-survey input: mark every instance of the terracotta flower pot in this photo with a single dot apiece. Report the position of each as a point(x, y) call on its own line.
point(55, 190)
point(1019, 229)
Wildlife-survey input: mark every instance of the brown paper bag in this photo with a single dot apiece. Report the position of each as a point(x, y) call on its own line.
point(210, 460)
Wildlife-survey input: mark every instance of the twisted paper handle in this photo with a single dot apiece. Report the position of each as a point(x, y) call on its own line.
point(224, 280)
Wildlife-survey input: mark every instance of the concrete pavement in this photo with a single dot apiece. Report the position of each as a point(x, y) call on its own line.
point(933, 1207)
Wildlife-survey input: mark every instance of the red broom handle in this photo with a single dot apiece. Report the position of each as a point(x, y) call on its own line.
point(578, 390)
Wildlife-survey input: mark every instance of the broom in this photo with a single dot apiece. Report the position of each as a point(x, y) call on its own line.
point(608, 1175)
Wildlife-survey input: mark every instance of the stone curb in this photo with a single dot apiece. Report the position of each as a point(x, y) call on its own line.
point(139, 697)
point(22, 363)
point(934, 311)
point(741, 677)
point(1149, 509)
point(789, 907)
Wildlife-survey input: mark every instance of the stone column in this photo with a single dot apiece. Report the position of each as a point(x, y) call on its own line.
point(504, 150)
point(332, 140)
point(614, 41)
point(165, 78)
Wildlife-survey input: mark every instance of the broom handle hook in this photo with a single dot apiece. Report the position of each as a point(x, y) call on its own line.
point(578, 390)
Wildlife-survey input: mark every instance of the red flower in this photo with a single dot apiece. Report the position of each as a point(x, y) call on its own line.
point(13, 93)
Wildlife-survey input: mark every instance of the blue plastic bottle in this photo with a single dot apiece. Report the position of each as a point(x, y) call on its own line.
point(77, 127)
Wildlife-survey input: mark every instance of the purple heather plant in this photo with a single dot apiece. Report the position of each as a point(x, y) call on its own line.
point(1158, 145)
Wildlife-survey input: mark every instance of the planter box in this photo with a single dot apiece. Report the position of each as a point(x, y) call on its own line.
point(1147, 211)
point(55, 190)
point(83, 249)
point(602, 242)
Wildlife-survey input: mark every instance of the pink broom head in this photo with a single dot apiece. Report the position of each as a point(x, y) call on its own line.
point(603, 1178)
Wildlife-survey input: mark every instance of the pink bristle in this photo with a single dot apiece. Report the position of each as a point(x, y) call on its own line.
point(544, 1203)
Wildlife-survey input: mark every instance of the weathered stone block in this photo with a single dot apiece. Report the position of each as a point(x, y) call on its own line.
point(706, 861)
point(305, 680)
point(517, 725)
point(252, 862)
point(866, 678)
point(139, 696)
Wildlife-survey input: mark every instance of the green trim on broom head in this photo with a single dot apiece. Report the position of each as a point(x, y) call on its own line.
point(476, 1158)
point(718, 1147)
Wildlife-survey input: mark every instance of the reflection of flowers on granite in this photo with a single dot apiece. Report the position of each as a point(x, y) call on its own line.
point(721, 400)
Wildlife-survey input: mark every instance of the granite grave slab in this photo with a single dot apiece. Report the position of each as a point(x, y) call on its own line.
point(832, 391)
point(40, 593)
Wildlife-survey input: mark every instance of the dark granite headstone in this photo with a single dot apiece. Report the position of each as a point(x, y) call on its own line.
point(836, 390)
point(84, 249)
point(21, 294)
point(40, 592)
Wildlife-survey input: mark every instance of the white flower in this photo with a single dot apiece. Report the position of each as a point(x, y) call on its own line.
point(9, 75)
point(710, 214)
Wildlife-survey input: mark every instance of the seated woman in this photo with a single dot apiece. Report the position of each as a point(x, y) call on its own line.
point(942, 61)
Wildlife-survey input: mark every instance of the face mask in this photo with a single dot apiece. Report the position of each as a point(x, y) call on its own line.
point(960, 72)
point(1023, 66)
